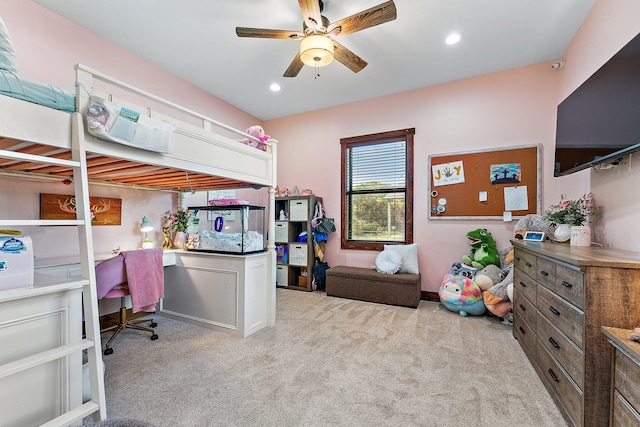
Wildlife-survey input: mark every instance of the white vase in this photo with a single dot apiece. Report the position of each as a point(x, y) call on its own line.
point(179, 239)
point(580, 235)
point(562, 232)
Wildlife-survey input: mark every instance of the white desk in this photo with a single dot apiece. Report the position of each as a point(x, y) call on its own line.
point(225, 292)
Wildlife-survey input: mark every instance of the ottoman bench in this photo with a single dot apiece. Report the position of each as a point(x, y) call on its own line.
point(366, 284)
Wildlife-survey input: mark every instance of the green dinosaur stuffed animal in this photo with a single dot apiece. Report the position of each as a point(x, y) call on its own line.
point(483, 249)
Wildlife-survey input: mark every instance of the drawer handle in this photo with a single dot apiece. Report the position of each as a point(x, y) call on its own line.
point(523, 308)
point(553, 375)
point(544, 273)
point(524, 285)
point(528, 264)
point(553, 342)
point(522, 329)
point(566, 284)
point(517, 258)
point(554, 310)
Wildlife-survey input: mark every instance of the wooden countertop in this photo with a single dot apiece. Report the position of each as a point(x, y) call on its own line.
point(620, 338)
point(583, 256)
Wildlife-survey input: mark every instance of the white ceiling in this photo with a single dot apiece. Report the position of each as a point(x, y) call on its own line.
point(196, 41)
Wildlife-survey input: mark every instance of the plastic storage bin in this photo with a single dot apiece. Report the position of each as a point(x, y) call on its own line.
point(16, 262)
point(236, 229)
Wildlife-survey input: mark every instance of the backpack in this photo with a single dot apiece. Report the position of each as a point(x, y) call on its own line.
point(320, 275)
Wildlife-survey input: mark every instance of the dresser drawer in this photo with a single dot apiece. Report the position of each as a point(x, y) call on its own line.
point(525, 284)
point(564, 281)
point(525, 308)
point(523, 333)
point(627, 377)
point(563, 350)
point(623, 414)
point(561, 314)
point(526, 262)
point(566, 391)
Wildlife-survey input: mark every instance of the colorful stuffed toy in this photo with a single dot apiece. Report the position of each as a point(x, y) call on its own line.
point(483, 249)
point(460, 294)
point(488, 276)
point(498, 298)
point(257, 132)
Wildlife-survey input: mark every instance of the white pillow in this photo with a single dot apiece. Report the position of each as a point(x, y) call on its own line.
point(388, 262)
point(409, 254)
point(7, 54)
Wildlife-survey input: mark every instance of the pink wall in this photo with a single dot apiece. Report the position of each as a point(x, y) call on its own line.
point(511, 108)
point(48, 46)
point(609, 26)
point(515, 107)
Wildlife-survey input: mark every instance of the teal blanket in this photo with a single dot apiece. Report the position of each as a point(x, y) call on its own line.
point(49, 96)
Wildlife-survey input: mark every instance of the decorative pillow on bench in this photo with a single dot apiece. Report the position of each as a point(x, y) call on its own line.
point(409, 254)
point(388, 262)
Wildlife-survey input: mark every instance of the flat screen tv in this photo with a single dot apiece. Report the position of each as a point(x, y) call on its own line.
point(600, 121)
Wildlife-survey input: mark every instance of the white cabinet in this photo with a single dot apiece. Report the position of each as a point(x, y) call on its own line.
point(223, 292)
point(31, 325)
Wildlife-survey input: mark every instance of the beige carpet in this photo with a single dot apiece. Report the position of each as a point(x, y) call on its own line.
point(330, 362)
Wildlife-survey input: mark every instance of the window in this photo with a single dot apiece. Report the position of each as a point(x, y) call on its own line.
point(377, 189)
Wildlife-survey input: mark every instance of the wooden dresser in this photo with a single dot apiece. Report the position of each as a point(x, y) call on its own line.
point(563, 295)
point(625, 397)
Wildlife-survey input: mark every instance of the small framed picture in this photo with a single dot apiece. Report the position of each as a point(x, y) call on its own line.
point(534, 236)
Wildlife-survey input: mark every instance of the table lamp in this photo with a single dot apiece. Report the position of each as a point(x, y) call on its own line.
point(145, 227)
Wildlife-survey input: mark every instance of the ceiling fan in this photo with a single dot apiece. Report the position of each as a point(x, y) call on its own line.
point(318, 46)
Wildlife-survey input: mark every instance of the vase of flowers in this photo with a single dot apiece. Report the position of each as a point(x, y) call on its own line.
point(572, 217)
point(176, 223)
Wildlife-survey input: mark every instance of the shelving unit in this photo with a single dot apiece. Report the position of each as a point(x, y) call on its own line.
point(41, 327)
point(295, 259)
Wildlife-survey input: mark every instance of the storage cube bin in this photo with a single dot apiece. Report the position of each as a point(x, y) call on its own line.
point(298, 210)
point(282, 275)
point(298, 255)
point(282, 231)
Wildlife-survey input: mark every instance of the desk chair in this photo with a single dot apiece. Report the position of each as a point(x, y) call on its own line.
point(111, 281)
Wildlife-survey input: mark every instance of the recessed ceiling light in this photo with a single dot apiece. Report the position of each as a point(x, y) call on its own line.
point(275, 87)
point(453, 38)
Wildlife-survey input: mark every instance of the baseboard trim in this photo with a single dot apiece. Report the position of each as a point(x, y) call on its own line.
point(429, 296)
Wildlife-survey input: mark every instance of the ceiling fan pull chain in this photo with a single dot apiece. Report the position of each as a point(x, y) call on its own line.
point(317, 70)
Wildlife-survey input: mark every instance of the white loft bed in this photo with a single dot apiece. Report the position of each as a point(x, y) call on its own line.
point(202, 159)
point(206, 155)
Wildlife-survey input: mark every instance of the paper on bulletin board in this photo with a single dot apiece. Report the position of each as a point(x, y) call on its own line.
point(448, 173)
point(516, 198)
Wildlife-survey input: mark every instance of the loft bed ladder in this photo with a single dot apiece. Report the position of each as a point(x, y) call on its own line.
point(96, 406)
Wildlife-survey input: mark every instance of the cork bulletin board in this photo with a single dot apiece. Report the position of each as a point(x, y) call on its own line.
point(486, 184)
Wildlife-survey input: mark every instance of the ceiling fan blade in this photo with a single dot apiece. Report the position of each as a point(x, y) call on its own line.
point(311, 13)
point(263, 33)
point(348, 58)
point(376, 15)
point(295, 67)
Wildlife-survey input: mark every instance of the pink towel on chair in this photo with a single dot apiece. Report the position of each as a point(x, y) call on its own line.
point(145, 277)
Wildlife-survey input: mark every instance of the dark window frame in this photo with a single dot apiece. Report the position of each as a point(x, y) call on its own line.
point(373, 139)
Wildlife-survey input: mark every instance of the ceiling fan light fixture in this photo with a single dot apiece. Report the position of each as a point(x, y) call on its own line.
point(316, 50)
